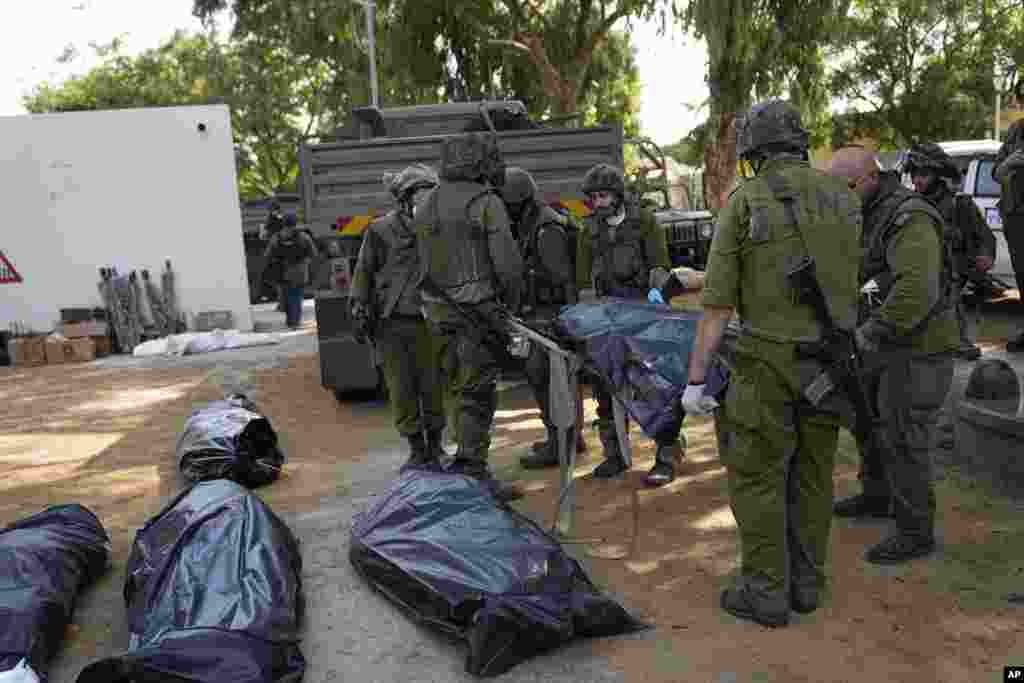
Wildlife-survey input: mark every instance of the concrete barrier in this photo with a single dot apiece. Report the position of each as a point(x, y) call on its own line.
point(990, 427)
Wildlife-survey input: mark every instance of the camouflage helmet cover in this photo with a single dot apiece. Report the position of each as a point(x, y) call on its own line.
point(772, 122)
point(519, 185)
point(471, 156)
point(604, 178)
point(412, 178)
point(930, 158)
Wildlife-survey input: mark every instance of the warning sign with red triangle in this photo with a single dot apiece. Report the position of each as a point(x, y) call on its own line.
point(8, 275)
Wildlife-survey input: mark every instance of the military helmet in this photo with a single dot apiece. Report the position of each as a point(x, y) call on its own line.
point(471, 156)
point(770, 123)
point(519, 185)
point(412, 178)
point(604, 178)
point(930, 158)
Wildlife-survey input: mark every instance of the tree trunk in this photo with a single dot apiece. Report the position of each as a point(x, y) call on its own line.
point(563, 90)
point(720, 161)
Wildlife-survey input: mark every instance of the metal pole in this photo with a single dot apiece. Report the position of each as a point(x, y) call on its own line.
point(371, 27)
point(998, 103)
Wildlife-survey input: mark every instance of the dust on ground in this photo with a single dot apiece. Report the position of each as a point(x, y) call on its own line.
point(104, 437)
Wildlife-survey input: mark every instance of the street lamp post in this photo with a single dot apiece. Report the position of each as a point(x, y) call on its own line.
point(999, 97)
point(371, 30)
point(998, 104)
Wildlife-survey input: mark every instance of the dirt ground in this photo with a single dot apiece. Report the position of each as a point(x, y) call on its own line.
point(105, 438)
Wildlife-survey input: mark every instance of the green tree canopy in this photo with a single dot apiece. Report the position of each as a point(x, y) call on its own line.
point(559, 56)
point(758, 48)
point(923, 70)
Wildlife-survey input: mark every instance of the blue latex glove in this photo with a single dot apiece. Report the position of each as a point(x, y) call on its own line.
point(655, 297)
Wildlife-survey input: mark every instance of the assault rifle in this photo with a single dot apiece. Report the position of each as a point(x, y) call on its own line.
point(487, 332)
point(837, 352)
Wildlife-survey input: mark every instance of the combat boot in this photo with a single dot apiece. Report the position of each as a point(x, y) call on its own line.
point(419, 456)
point(863, 506)
point(478, 470)
point(803, 593)
point(665, 460)
point(614, 464)
point(901, 547)
point(435, 441)
point(542, 453)
point(748, 602)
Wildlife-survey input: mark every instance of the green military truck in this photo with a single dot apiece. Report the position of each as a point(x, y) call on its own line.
point(342, 190)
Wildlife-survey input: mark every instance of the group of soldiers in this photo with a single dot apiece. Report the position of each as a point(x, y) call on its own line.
point(435, 276)
point(462, 248)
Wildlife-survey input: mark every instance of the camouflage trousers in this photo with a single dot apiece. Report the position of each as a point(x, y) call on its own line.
point(908, 393)
point(779, 453)
point(408, 351)
point(470, 374)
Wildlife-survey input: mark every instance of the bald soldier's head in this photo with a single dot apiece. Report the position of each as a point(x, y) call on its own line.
point(859, 167)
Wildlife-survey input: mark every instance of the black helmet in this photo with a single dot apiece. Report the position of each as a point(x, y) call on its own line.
point(768, 125)
point(604, 178)
point(412, 178)
point(928, 157)
point(472, 156)
point(519, 186)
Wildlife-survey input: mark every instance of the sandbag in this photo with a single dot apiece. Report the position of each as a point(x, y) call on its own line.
point(229, 439)
point(45, 561)
point(213, 593)
point(443, 548)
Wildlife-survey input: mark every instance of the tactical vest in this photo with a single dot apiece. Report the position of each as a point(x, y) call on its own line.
point(542, 288)
point(949, 208)
point(620, 254)
point(791, 217)
point(458, 259)
point(292, 250)
point(882, 222)
point(1008, 173)
point(394, 290)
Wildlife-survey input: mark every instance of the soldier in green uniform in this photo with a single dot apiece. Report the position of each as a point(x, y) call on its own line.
point(1008, 171)
point(468, 253)
point(386, 306)
point(967, 234)
point(622, 252)
point(781, 448)
point(546, 241)
point(908, 343)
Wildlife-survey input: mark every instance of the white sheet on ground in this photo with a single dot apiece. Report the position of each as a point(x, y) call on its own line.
point(203, 342)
